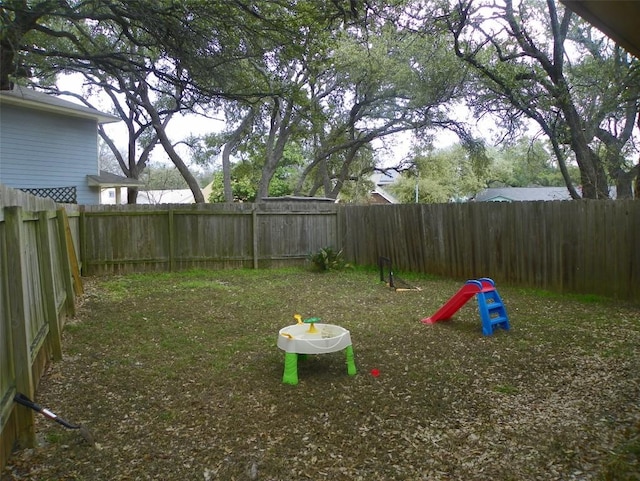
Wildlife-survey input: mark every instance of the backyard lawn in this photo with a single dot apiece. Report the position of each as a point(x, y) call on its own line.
point(178, 377)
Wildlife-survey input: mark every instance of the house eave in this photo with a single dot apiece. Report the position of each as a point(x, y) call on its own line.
point(616, 19)
point(31, 99)
point(108, 180)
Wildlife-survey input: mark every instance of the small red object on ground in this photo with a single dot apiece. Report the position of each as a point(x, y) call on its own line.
point(375, 372)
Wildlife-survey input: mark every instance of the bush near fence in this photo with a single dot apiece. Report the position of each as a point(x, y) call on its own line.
point(589, 247)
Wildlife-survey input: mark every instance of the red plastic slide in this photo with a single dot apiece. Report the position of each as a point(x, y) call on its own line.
point(459, 299)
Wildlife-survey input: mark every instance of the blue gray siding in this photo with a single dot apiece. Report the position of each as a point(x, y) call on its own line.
point(43, 149)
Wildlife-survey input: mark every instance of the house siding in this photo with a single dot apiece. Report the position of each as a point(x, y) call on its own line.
point(57, 151)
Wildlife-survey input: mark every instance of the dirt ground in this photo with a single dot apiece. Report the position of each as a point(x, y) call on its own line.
point(179, 377)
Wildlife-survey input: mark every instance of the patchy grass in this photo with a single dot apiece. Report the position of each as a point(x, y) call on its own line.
point(178, 377)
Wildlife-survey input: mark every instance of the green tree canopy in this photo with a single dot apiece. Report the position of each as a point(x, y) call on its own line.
point(535, 60)
point(445, 175)
point(245, 176)
point(525, 163)
point(330, 78)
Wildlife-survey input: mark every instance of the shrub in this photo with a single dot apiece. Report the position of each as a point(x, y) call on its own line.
point(327, 259)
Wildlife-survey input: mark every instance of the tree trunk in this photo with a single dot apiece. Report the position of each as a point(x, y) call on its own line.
point(637, 182)
point(624, 187)
point(344, 172)
point(159, 127)
point(323, 176)
point(6, 67)
point(11, 38)
point(279, 132)
point(592, 173)
point(623, 180)
point(198, 196)
point(133, 170)
point(230, 147)
point(560, 157)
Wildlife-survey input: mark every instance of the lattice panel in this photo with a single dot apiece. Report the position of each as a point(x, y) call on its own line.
point(63, 195)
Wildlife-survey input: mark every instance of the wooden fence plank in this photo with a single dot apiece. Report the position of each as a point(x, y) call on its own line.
point(30, 296)
point(66, 262)
point(254, 238)
point(73, 258)
point(48, 288)
point(18, 319)
point(171, 231)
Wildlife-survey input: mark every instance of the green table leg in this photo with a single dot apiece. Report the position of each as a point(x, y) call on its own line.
point(351, 365)
point(290, 375)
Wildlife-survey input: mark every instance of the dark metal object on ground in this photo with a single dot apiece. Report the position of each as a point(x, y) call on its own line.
point(25, 401)
point(393, 281)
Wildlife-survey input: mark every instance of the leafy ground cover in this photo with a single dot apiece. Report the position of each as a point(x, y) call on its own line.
point(178, 377)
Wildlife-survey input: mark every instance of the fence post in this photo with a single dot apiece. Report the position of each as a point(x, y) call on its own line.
point(82, 237)
point(254, 235)
point(171, 227)
point(339, 232)
point(48, 287)
point(18, 311)
point(71, 249)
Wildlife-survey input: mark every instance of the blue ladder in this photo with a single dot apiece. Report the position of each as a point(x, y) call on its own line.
point(492, 311)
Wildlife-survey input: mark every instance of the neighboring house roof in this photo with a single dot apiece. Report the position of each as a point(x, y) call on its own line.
point(381, 196)
point(207, 190)
point(521, 194)
point(175, 196)
point(384, 178)
point(41, 101)
point(381, 180)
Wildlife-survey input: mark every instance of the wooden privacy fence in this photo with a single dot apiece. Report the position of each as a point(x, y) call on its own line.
point(175, 237)
point(588, 247)
point(37, 292)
